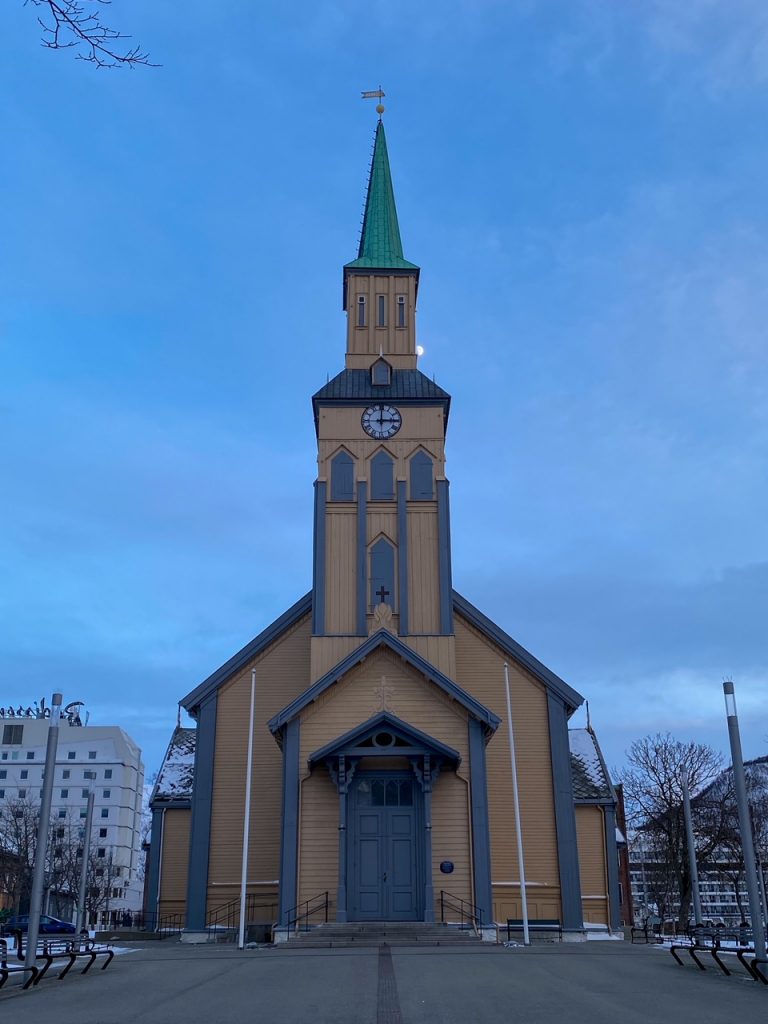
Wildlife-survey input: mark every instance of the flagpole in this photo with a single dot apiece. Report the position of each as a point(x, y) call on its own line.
point(518, 833)
point(247, 819)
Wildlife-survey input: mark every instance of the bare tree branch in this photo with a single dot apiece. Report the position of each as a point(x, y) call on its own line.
point(77, 23)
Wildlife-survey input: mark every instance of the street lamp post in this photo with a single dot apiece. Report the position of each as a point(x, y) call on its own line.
point(745, 826)
point(689, 842)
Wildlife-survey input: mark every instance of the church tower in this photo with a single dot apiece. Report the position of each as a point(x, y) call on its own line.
point(382, 535)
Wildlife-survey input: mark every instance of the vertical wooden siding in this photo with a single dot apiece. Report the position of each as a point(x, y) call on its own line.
point(590, 830)
point(173, 873)
point(282, 674)
point(341, 570)
point(423, 570)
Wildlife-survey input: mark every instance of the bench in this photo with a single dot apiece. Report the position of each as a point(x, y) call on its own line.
point(6, 969)
point(539, 926)
point(52, 948)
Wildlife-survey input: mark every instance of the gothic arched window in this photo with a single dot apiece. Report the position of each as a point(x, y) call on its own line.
point(381, 372)
point(382, 477)
point(361, 311)
point(382, 574)
point(342, 477)
point(422, 486)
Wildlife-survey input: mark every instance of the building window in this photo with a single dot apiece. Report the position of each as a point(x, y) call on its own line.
point(89, 775)
point(102, 833)
point(66, 773)
point(361, 311)
point(342, 477)
point(3, 773)
point(84, 793)
point(30, 755)
point(107, 793)
point(22, 794)
point(107, 773)
point(382, 477)
point(12, 734)
point(422, 488)
point(382, 574)
point(24, 773)
point(71, 755)
point(64, 794)
point(62, 813)
point(101, 852)
point(2, 794)
point(5, 755)
point(83, 813)
point(381, 311)
point(401, 311)
point(99, 872)
point(105, 812)
point(381, 372)
point(91, 755)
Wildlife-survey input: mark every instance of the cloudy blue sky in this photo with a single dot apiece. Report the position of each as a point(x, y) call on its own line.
point(583, 184)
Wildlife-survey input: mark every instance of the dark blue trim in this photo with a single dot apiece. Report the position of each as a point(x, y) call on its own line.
point(171, 804)
point(444, 555)
point(362, 559)
point(566, 693)
point(612, 866)
point(289, 843)
point(402, 555)
point(318, 563)
point(153, 868)
point(244, 656)
point(481, 833)
point(385, 719)
point(383, 638)
point(202, 804)
point(565, 815)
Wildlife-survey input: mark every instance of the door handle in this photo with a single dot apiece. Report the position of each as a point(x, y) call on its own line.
point(384, 877)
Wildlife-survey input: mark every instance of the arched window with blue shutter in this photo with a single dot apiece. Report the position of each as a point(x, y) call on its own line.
point(382, 589)
point(342, 477)
point(382, 477)
point(422, 483)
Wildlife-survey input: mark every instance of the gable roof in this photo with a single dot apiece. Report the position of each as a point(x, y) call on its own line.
point(208, 686)
point(402, 729)
point(383, 638)
point(589, 775)
point(572, 698)
point(176, 775)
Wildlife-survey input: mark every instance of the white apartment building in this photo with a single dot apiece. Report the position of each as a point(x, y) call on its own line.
point(102, 757)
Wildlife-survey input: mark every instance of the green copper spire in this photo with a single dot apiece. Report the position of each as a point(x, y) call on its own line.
point(380, 245)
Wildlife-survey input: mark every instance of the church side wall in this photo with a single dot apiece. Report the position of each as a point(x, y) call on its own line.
point(282, 672)
point(353, 700)
point(175, 858)
point(590, 829)
point(480, 670)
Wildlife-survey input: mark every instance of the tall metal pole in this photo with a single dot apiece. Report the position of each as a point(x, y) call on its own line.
point(41, 850)
point(84, 865)
point(247, 819)
point(745, 826)
point(518, 832)
point(689, 842)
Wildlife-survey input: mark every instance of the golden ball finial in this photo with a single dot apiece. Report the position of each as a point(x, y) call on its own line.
point(379, 108)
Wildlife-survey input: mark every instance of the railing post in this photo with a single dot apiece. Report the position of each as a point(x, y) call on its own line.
point(326, 906)
point(442, 906)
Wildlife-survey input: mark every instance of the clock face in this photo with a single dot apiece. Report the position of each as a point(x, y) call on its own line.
point(381, 421)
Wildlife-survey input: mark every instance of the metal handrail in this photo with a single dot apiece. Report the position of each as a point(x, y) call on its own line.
point(308, 912)
point(227, 915)
point(468, 910)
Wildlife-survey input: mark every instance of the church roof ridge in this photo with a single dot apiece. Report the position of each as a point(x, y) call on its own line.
point(380, 244)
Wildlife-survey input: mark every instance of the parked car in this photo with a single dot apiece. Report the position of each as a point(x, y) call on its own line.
point(48, 925)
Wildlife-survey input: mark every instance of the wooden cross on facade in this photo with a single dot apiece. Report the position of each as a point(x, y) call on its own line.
point(382, 593)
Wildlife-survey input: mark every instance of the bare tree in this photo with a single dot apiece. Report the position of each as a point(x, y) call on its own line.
point(653, 790)
point(68, 24)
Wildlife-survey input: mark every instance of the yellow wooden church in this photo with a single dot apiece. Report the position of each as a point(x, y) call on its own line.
point(381, 761)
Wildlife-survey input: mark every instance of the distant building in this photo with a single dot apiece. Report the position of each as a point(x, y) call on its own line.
point(103, 757)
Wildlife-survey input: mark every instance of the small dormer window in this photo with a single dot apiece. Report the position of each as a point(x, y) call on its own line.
point(381, 372)
point(401, 311)
point(361, 311)
point(381, 311)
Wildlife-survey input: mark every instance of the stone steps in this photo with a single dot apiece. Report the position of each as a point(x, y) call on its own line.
point(382, 933)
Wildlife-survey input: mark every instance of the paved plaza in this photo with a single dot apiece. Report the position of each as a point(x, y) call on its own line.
point(591, 983)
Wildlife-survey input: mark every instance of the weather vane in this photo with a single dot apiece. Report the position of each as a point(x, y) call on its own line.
point(376, 94)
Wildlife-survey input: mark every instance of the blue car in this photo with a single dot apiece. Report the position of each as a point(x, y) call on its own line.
point(48, 925)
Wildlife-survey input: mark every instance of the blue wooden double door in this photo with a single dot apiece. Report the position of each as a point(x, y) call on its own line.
point(385, 851)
